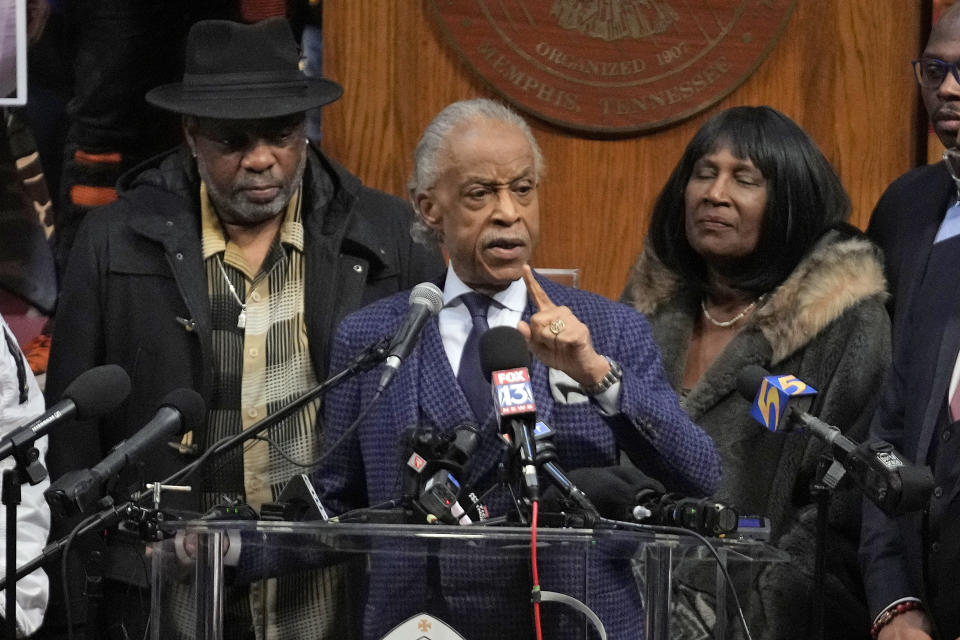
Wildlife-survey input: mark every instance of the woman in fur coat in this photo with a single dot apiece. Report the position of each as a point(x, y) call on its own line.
point(749, 261)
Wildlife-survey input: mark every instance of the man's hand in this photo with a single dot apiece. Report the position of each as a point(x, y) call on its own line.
point(185, 545)
point(558, 339)
point(909, 625)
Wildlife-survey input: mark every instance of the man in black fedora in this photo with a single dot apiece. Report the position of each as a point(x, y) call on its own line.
point(224, 267)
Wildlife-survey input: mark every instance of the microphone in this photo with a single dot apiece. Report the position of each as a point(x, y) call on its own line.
point(896, 486)
point(426, 300)
point(625, 493)
point(505, 359)
point(438, 497)
point(91, 394)
point(79, 491)
point(614, 495)
point(546, 460)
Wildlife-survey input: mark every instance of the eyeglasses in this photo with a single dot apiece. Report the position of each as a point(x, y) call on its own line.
point(931, 72)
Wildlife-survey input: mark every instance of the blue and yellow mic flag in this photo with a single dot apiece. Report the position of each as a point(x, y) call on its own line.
point(775, 392)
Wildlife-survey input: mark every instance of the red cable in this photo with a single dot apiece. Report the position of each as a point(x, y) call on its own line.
point(536, 576)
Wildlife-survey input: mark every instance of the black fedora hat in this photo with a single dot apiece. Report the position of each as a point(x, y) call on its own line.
point(240, 71)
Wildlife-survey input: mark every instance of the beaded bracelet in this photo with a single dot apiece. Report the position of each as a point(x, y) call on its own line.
point(890, 614)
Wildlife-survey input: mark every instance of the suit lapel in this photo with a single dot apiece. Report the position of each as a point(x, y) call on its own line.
point(441, 398)
point(946, 360)
point(940, 384)
point(925, 219)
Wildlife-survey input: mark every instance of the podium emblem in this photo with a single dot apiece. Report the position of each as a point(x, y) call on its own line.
point(423, 627)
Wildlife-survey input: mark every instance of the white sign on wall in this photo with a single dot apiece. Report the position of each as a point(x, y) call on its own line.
point(13, 52)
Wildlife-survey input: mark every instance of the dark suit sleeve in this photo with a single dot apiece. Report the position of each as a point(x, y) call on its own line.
point(882, 552)
point(653, 429)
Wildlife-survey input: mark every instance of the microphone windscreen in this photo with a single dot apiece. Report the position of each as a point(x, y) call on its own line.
point(98, 391)
point(503, 348)
point(429, 295)
point(638, 480)
point(190, 405)
point(611, 495)
point(749, 380)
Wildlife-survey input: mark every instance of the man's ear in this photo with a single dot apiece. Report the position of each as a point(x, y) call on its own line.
point(428, 210)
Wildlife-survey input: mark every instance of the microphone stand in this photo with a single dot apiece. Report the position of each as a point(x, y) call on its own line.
point(26, 468)
point(546, 459)
point(130, 509)
point(366, 360)
point(829, 474)
point(11, 499)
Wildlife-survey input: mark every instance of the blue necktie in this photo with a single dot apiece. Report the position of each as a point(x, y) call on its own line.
point(470, 376)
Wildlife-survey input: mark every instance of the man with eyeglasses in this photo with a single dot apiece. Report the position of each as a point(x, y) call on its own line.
point(908, 216)
point(911, 563)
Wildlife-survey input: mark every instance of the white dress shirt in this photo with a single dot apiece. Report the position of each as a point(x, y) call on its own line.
point(507, 308)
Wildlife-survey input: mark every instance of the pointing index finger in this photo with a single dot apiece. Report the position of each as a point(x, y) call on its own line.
point(539, 296)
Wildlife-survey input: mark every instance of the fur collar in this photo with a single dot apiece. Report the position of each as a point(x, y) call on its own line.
point(841, 270)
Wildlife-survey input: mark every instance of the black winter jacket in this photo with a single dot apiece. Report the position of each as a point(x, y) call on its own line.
point(135, 292)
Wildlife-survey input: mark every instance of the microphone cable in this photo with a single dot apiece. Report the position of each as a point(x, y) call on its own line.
point(620, 524)
point(535, 593)
point(353, 427)
point(313, 465)
point(365, 360)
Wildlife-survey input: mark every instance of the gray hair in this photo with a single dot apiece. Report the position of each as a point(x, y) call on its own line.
point(426, 157)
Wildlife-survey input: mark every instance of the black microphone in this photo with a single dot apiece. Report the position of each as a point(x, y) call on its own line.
point(613, 494)
point(91, 394)
point(626, 493)
point(440, 458)
point(79, 491)
point(775, 406)
point(547, 460)
point(426, 300)
point(440, 494)
point(893, 484)
point(505, 359)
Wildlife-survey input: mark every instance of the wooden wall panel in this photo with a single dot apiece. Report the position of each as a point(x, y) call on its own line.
point(841, 70)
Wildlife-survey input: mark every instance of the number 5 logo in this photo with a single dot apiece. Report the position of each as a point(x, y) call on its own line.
point(791, 386)
point(768, 405)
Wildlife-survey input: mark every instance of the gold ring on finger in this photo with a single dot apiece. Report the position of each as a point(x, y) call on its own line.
point(557, 326)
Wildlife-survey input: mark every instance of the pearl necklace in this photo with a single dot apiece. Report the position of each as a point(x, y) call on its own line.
point(724, 324)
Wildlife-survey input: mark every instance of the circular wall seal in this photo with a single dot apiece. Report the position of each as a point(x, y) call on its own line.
point(613, 66)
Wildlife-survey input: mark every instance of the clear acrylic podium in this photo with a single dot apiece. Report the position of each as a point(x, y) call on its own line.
point(662, 569)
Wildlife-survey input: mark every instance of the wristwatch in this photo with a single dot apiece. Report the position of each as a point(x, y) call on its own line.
point(614, 375)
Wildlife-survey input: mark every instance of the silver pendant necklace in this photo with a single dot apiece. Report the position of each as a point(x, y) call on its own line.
point(242, 317)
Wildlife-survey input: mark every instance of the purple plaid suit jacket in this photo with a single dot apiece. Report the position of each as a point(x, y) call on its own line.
point(652, 428)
